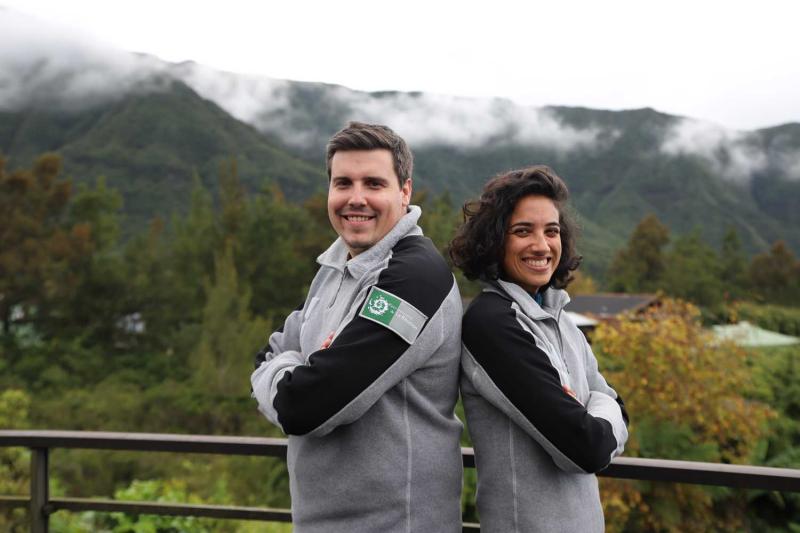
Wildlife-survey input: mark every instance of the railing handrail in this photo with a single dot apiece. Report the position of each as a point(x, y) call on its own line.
point(41, 441)
point(742, 476)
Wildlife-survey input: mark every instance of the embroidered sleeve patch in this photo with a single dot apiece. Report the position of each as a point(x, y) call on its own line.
point(393, 313)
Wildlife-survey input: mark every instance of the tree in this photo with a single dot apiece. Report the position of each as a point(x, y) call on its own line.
point(694, 272)
point(775, 275)
point(733, 265)
point(229, 338)
point(689, 398)
point(40, 251)
point(439, 219)
point(779, 368)
point(197, 237)
point(90, 313)
point(639, 266)
point(232, 201)
point(14, 462)
point(277, 252)
point(582, 284)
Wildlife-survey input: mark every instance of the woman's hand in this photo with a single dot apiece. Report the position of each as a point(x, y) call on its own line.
point(571, 393)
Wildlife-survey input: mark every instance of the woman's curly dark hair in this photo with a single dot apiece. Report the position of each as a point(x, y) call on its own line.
point(477, 248)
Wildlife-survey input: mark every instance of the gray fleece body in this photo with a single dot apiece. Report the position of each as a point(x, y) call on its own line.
point(373, 439)
point(536, 448)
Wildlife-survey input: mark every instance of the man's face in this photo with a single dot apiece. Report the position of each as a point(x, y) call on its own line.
point(365, 199)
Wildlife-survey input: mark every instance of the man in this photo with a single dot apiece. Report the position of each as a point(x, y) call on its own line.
point(363, 377)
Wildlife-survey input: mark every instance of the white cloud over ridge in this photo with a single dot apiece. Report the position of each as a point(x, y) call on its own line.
point(466, 122)
point(735, 155)
point(43, 65)
point(422, 119)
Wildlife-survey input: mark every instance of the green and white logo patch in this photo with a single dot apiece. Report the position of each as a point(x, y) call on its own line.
point(393, 313)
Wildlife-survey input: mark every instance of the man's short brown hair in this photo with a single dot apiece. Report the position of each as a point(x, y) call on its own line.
point(362, 136)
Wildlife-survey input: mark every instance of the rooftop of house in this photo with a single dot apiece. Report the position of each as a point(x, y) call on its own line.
point(608, 305)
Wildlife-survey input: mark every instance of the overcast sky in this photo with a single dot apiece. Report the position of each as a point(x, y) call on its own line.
point(733, 63)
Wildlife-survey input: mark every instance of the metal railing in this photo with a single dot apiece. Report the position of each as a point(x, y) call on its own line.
point(41, 505)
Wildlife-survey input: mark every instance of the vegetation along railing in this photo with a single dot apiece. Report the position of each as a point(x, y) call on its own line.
point(41, 505)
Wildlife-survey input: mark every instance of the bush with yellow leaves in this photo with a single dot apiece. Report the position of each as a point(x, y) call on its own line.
point(687, 396)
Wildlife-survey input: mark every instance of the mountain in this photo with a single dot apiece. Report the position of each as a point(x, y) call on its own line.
point(148, 125)
point(620, 165)
point(150, 145)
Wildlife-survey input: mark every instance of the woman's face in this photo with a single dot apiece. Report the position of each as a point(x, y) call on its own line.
point(533, 243)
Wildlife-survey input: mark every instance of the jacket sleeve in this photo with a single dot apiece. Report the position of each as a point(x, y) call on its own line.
point(604, 402)
point(281, 353)
point(509, 368)
point(339, 384)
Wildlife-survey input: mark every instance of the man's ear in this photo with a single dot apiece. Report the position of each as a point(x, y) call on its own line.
point(407, 189)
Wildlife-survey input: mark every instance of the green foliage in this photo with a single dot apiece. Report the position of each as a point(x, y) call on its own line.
point(784, 320)
point(277, 251)
point(775, 275)
point(156, 490)
point(440, 218)
point(148, 145)
point(158, 334)
point(777, 370)
point(694, 272)
point(40, 254)
point(228, 333)
point(160, 491)
point(639, 266)
point(689, 398)
point(733, 265)
point(690, 269)
point(14, 462)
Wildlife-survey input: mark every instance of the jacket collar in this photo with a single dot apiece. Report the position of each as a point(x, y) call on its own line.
point(336, 256)
point(553, 300)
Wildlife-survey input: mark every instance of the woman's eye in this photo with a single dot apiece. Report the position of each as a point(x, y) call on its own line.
point(520, 232)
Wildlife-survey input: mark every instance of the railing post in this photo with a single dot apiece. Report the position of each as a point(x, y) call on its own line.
point(40, 491)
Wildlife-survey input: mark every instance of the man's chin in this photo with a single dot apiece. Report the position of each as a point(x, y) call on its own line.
point(358, 246)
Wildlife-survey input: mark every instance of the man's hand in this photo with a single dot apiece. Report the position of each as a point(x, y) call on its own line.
point(327, 342)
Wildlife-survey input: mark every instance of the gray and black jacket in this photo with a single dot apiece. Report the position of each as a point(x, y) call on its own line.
point(536, 447)
point(373, 439)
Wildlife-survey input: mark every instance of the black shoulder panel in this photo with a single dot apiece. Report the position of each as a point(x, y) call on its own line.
point(363, 350)
point(523, 372)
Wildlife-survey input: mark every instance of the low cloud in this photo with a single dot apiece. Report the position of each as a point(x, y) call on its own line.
point(466, 122)
point(43, 65)
point(734, 155)
point(423, 119)
point(737, 156)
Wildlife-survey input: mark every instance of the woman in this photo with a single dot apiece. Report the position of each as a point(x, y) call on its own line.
point(541, 417)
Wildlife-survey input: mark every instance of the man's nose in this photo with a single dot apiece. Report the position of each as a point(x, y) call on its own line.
point(356, 196)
